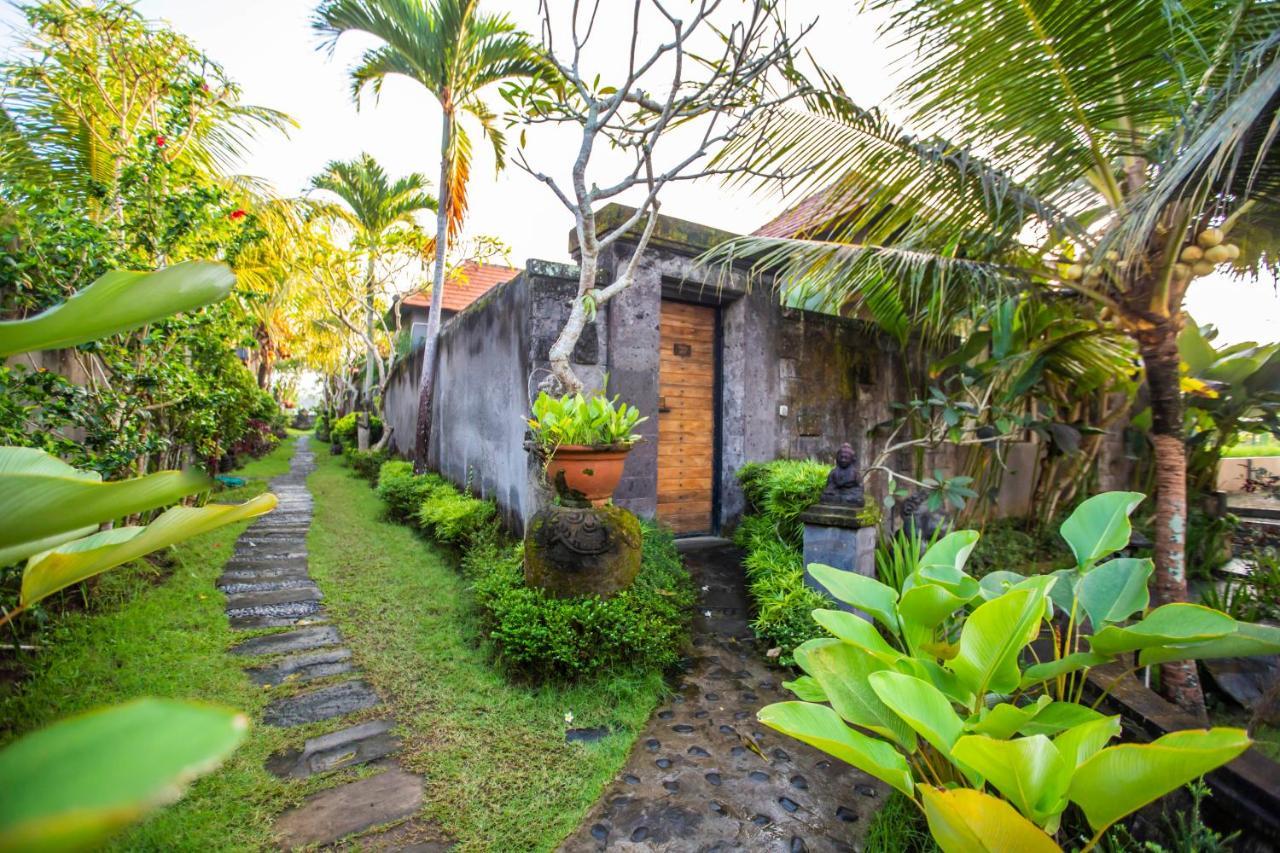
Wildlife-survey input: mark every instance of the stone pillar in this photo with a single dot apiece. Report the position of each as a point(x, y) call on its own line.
point(833, 537)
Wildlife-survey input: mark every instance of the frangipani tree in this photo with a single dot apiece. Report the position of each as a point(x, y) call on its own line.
point(968, 696)
point(1114, 149)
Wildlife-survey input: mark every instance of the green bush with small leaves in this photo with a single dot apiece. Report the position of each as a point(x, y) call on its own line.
point(536, 636)
point(642, 627)
point(772, 535)
point(343, 430)
point(455, 518)
point(366, 463)
point(404, 492)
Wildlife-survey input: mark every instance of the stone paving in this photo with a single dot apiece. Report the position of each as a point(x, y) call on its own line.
point(268, 586)
point(704, 775)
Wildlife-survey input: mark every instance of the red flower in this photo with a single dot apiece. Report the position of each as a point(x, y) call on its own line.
point(238, 213)
point(159, 141)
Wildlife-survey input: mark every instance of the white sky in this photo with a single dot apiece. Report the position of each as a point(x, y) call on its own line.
point(269, 48)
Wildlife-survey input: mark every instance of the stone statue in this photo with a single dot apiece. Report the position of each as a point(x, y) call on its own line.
point(844, 484)
point(916, 516)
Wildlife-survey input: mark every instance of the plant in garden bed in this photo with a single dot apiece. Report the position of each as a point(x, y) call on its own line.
point(583, 442)
point(957, 709)
point(771, 534)
point(78, 781)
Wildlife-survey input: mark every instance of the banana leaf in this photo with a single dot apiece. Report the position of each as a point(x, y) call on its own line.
point(117, 302)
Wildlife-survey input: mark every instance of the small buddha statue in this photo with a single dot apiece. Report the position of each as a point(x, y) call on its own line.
point(844, 483)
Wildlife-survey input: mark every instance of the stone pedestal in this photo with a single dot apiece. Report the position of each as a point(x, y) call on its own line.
point(833, 537)
point(573, 551)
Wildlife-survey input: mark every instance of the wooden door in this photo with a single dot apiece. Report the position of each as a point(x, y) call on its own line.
point(687, 417)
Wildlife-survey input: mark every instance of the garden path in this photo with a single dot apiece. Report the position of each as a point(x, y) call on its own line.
point(706, 776)
point(267, 585)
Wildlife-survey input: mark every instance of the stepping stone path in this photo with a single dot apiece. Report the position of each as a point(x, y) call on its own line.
point(268, 586)
point(704, 775)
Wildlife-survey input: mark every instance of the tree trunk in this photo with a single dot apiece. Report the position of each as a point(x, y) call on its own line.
point(427, 381)
point(1179, 680)
point(561, 353)
point(371, 353)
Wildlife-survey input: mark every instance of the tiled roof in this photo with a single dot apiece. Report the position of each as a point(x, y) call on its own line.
point(468, 283)
point(792, 222)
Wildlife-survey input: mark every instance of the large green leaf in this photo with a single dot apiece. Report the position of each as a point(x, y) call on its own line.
point(1004, 719)
point(996, 584)
point(43, 497)
point(963, 820)
point(53, 570)
point(924, 606)
point(22, 550)
point(1247, 640)
point(1062, 666)
point(1058, 716)
point(950, 552)
point(1100, 526)
point(1080, 743)
point(69, 786)
point(921, 705)
point(1029, 771)
point(862, 592)
point(821, 727)
point(994, 635)
point(852, 628)
point(1121, 779)
point(117, 302)
point(806, 688)
point(1172, 624)
point(841, 670)
point(1115, 590)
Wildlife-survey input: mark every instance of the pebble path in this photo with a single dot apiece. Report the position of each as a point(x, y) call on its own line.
point(267, 585)
point(704, 775)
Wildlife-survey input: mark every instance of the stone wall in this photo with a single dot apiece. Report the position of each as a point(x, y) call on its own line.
point(793, 384)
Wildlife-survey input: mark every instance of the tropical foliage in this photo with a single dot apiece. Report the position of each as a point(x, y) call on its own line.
point(597, 421)
point(1097, 150)
point(968, 696)
point(455, 52)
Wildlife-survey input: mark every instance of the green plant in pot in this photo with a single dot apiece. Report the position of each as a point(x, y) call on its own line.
point(968, 696)
point(584, 442)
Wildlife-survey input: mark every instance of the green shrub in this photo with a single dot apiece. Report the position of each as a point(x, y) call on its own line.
point(642, 627)
point(322, 427)
point(453, 517)
point(781, 490)
point(1010, 543)
point(404, 492)
point(343, 429)
point(367, 463)
point(772, 535)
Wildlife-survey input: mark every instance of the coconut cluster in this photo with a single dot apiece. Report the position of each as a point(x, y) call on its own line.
point(1202, 256)
point(1196, 259)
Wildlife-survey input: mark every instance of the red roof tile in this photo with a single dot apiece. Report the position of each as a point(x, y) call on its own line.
point(795, 220)
point(468, 283)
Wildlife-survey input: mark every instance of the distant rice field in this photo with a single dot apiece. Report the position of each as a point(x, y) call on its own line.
point(1241, 450)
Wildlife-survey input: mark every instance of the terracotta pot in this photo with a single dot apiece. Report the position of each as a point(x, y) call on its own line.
point(581, 473)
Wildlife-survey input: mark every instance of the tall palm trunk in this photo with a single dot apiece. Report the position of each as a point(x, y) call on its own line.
point(1179, 681)
point(427, 382)
point(364, 427)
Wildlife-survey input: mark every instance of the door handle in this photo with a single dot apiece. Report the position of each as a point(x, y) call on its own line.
point(662, 405)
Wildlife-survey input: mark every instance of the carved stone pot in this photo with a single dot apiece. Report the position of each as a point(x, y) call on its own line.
point(586, 475)
point(573, 551)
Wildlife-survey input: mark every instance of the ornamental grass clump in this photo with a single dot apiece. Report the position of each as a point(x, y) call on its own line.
point(989, 737)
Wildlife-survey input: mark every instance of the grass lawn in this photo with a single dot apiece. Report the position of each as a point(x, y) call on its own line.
point(163, 632)
point(499, 773)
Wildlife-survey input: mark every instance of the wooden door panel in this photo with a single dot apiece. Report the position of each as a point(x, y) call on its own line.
point(686, 417)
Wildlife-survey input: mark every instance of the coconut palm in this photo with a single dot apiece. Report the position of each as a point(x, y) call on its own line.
point(379, 210)
point(455, 52)
point(1116, 149)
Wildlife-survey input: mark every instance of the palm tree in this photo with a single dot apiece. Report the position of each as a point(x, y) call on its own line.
point(455, 52)
point(377, 208)
point(1105, 148)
